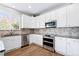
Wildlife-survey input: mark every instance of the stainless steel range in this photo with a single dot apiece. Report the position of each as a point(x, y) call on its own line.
point(49, 42)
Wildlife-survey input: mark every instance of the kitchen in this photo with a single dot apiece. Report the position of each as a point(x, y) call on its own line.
point(57, 24)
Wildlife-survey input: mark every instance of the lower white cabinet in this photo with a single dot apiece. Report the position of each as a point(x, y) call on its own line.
point(35, 38)
point(67, 46)
point(73, 47)
point(60, 45)
point(12, 42)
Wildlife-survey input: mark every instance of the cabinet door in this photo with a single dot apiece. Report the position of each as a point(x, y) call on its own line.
point(47, 17)
point(35, 22)
point(37, 39)
point(61, 17)
point(8, 43)
point(53, 15)
point(27, 21)
point(73, 47)
point(12, 42)
point(73, 15)
point(60, 45)
point(41, 21)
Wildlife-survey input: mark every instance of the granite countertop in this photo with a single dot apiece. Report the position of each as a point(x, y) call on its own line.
point(56, 35)
point(74, 37)
point(52, 35)
point(13, 35)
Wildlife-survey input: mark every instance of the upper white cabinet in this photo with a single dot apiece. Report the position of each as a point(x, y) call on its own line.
point(35, 22)
point(73, 15)
point(41, 21)
point(32, 22)
point(59, 14)
point(27, 21)
point(47, 17)
point(50, 16)
point(60, 45)
point(61, 17)
point(67, 16)
point(53, 15)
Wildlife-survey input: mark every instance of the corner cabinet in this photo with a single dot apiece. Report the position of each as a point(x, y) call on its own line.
point(35, 38)
point(32, 22)
point(39, 22)
point(26, 21)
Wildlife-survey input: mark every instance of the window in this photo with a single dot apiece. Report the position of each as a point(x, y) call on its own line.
point(8, 21)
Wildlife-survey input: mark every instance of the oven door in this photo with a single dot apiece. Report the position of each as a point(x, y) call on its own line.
point(48, 43)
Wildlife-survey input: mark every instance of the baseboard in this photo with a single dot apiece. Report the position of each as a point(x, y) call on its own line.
point(35, 44)
point(59, 53)
point(24, 45)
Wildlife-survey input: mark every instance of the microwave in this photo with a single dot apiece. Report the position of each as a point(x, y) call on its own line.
point(51, 24)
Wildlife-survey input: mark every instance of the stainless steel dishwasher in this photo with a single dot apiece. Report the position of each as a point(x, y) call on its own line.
point(24, 40)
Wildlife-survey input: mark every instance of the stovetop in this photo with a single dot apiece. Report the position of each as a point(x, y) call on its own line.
point(48, 35)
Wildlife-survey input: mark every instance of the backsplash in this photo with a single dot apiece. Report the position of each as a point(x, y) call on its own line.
point(64, 31)
point(13, 32)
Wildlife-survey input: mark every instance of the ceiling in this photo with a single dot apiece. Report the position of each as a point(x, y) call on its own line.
point(34, 8)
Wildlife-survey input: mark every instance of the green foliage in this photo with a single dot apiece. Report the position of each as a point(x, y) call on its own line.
point(15, 26)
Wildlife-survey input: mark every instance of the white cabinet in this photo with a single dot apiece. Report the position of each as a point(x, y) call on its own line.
point(27, 21)
point(68, 16)
point(73, 15)
point(53, 15)
point(1, 45)
point(50, 16)
point(41, 21)
point(12, 42)
point(60, 45)
point(73, 47)
point(67, 46)
point(32, 22)
point(35, 38)
point(61, 17)
point(35, 23)
point(38, 22)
